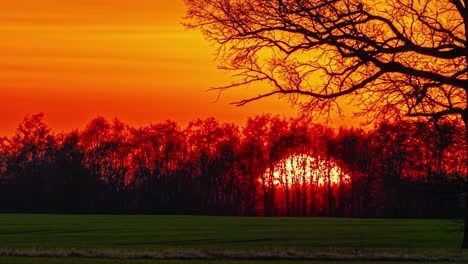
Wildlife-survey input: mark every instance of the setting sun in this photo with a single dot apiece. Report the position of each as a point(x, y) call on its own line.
point(304, 169)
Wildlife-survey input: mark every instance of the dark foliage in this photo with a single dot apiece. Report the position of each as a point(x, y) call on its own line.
point(271, 166)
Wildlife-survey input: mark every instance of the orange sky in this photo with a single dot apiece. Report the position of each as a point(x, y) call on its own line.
point(75, 60)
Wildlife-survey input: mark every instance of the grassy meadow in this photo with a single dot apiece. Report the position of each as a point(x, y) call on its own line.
point(114, 261)
point(151, 233)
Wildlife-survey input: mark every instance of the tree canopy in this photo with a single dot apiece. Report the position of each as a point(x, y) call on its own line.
point(392, 58)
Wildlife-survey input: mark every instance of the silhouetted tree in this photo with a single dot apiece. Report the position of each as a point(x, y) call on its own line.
point(158, 159)
point(106, 157)
point(395, 58)
point(31, 152)
point(272, 166)
point(79, 187)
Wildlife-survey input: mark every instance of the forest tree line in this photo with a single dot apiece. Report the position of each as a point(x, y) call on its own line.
point(271, 166)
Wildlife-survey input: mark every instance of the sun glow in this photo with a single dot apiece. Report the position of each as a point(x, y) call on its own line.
point(303, 169)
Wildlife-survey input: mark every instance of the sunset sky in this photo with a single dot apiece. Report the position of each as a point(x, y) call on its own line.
point(75, 60)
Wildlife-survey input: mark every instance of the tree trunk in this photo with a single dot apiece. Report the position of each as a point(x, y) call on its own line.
point(465, 233)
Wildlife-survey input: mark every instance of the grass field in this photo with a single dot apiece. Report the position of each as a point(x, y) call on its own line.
point(149, 233)
point(104, 261)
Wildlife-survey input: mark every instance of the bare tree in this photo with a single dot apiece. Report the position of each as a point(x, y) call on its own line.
point(393, 58)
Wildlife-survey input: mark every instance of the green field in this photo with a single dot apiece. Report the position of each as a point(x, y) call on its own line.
point(150, 233)
point(103, 261)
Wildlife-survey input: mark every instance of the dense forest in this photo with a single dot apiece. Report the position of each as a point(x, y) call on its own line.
point(271, 166)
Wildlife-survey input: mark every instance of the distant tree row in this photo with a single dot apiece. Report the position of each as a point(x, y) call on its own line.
point(272, 166)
